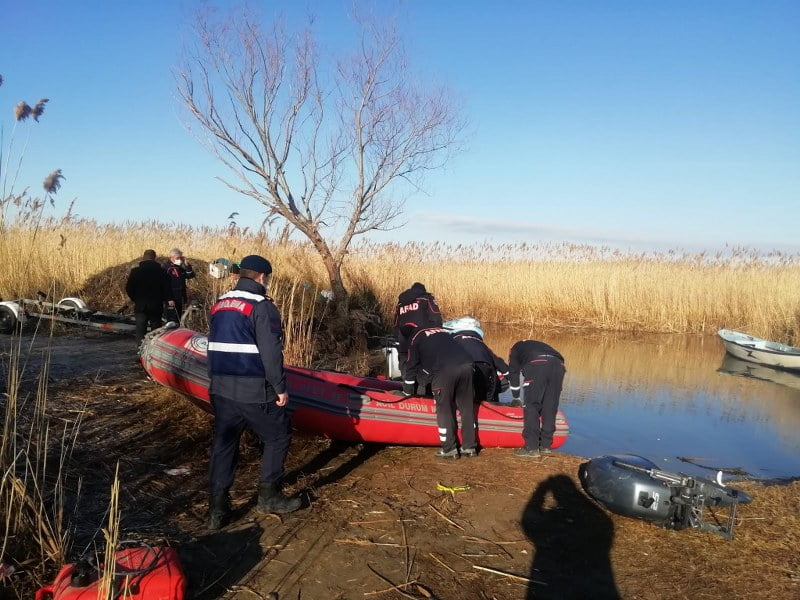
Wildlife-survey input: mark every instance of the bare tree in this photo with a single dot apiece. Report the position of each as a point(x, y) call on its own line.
point(323, 145)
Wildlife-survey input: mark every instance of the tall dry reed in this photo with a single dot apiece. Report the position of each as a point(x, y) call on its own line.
point(69, 252)
point(532, 285)
point(34, 457)
point(595, 288)
point(303, 311)
point(108, 577)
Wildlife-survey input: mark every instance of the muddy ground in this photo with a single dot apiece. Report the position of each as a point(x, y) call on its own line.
point(375, 524)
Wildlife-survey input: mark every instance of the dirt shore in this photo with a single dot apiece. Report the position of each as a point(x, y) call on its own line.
point(377, 523)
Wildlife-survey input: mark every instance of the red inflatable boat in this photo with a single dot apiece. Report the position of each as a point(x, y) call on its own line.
point(335, 405)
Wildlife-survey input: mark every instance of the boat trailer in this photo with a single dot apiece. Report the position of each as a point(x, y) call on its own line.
point(73, 311)
point(70, 310)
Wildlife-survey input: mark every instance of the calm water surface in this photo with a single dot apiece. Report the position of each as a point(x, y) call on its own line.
point(670, 396)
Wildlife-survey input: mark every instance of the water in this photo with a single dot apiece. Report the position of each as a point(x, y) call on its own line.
point(670, 396)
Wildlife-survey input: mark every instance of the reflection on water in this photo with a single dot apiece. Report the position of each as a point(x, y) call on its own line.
point(736, 366)
point(665, 396)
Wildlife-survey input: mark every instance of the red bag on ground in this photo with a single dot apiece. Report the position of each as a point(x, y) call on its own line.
point(141, 573)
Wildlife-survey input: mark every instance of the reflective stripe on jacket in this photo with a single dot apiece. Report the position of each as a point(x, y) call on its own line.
point(232, 348)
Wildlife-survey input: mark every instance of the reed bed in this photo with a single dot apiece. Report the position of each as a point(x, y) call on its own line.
point(71, 252)
point(111, 536)
point(537, 286)
point(35, 454)
point(584, 287)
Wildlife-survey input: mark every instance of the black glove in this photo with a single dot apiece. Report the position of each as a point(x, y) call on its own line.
point(409, 388)
point(504, 384)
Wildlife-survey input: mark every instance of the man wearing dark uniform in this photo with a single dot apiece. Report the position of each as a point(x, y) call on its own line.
point(538, 369)
point(434, 355)
point(248, 388)
point(416, 309)
point(491, 371)
point(178, 271)
point(147, 287)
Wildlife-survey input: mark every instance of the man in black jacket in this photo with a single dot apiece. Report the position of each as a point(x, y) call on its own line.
point(416, 309)
point(491, 371)
point(538, 369)
point(147, 289)
point(248, 388)
point(434, 355)
point(178, 271)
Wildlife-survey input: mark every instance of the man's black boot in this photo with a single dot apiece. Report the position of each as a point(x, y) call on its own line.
point(219, 511)
point(271, 500)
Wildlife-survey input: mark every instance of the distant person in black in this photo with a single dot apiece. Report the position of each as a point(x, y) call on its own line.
point(178, 271)
point(491, 371)
point(434, 355)
point(538, 370)
point(416, 309)
point(147, 289)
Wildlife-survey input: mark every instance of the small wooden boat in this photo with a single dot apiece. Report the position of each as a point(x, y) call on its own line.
point(753, 349)
point(335, 405)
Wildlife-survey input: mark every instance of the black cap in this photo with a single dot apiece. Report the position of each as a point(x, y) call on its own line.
point(256, 263)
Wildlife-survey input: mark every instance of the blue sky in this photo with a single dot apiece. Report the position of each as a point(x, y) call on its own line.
point(630, 123)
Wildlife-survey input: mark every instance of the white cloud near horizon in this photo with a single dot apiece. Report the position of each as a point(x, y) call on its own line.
point(521, 230)
point(517, 229)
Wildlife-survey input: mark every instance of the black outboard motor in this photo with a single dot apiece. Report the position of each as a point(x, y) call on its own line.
point(632, 486)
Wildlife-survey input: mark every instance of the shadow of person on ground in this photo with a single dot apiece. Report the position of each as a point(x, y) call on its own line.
point(215, 562)
point(572, 539)
point(333, 454)
point(308, 474)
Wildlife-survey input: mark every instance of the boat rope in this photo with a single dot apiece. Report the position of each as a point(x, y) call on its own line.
point(379, 401)
point(451, 490)
point(489, 407)
point(362, 389)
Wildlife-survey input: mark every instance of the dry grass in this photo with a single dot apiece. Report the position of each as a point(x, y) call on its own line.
point(111, 535)
point(559, 286)
point(35, 453)
point(65, 254)
point(586, 287)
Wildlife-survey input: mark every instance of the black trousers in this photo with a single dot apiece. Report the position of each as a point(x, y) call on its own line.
point(453, 388)
point(402, 352)
point(270, 422)
point(486, 384)
point(151, 316)
point(541, 390)
point(174, 314)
